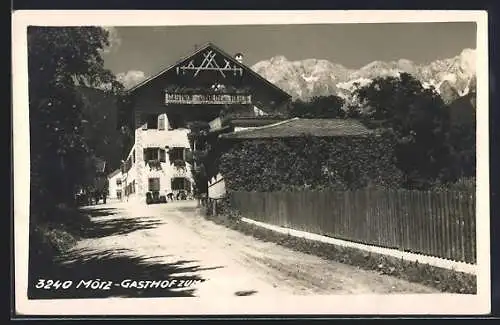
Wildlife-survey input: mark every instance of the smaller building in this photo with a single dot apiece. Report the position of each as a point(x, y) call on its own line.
point(115, 185)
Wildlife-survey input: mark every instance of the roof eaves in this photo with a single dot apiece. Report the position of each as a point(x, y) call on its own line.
point(250, 130)
point(144, 82)
point(115, 172)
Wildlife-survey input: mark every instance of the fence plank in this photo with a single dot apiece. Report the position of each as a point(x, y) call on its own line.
point(445, 216)
point(447, 227)
point(453, 226)
point(418, 234)
point(473, 229)
point(461, 227)
point(439, 225)
point(425, 218)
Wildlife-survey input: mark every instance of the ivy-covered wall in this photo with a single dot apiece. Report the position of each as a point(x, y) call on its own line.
point(339, 163)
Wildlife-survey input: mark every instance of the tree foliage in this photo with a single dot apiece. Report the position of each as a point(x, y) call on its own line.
point(463, 135)
point(318, 107)
point(198, 158)
point(420, 121)
point(60, 60)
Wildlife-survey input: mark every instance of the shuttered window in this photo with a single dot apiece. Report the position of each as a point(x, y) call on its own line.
point(154, 154)
point(177, 153)
point(179, 183)
point(149, 154)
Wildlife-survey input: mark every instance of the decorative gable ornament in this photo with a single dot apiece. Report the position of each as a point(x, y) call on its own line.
point(209, 63)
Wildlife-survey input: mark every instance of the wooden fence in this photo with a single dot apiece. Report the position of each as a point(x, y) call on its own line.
point(440, 224)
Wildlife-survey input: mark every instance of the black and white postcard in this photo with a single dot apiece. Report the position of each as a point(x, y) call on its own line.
point(251, 162)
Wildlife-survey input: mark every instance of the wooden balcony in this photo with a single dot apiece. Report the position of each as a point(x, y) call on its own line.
point(212, 99)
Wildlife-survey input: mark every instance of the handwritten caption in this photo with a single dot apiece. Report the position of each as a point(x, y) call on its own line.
point(98, 284)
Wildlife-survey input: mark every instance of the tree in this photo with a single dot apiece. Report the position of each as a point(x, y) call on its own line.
point(61, 59)
point(198, 157)
point(419, 119)
point(463, 134)
point(318, 107)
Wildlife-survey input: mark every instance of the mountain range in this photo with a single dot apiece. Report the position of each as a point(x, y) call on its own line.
point(452, 77)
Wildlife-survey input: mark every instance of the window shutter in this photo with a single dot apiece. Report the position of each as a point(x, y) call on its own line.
point(162, 155)
point(161, 122)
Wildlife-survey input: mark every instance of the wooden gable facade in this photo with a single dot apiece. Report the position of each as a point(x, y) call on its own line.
point(202, 85)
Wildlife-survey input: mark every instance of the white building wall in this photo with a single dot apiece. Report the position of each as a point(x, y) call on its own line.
point(216, 187)
point(113, 187)
point(140, 172)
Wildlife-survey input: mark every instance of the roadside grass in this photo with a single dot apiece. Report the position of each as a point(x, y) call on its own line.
point(445, 280)
point(48, 239)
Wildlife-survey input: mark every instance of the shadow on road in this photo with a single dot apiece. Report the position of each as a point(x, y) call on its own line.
point(117, 226)
point(245, 293)
point(99, 212)
point(102, 222)
point(116, 266)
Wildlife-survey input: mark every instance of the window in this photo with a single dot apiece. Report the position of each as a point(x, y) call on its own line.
point(161, 153)
point(161, 122)
point(180, 183)
point(154, 184)
point(150, 154)
point(154, 154)
point(133, 156)
point(176, 153)
point(118, 182)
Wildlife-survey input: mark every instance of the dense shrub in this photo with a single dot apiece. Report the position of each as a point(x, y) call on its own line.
point(337, 163)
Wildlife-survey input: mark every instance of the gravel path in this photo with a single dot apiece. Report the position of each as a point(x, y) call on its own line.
point(230, 262)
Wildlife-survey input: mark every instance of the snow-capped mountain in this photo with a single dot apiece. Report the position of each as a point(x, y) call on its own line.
point(452, 77)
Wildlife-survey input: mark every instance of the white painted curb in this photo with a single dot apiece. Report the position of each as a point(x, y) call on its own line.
point(412, 257)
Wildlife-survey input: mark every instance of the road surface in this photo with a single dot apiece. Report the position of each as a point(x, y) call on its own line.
point(172, 240)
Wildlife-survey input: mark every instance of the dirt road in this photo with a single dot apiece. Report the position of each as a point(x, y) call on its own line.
point(166, 241)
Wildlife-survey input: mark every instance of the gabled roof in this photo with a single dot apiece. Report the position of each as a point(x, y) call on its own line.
point(115, 172)
point(202, 48)
point(297, 127)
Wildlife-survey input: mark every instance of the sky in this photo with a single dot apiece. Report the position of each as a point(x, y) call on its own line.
point(139, 52)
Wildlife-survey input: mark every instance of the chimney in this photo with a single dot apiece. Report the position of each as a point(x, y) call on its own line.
point(239, 57)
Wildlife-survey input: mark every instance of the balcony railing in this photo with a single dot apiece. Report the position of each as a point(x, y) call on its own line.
point(220, 99)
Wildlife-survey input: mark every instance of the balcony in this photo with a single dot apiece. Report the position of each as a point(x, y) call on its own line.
point(211, 99)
